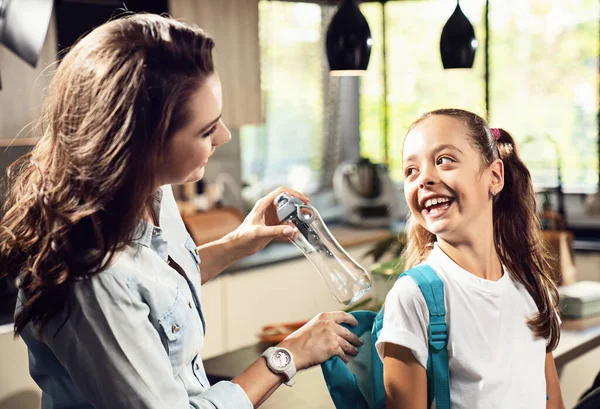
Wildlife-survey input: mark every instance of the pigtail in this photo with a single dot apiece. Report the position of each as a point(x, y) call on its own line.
point(418, 245)
point(519, 240)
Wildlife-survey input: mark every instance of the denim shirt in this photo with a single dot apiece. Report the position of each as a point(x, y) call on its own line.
point(134, 333)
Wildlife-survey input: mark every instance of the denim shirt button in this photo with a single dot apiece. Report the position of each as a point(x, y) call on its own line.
point(175, 328)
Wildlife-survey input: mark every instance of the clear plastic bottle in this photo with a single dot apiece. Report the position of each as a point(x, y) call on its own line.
point(346, 279)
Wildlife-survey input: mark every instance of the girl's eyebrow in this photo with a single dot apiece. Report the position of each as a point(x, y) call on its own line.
point(437, 150)
point(440, 148)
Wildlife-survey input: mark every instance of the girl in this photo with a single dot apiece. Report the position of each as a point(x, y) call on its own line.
point(109, 301)
point(473, 220)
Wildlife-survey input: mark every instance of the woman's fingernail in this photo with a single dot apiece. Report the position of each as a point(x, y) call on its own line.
point(288, 231)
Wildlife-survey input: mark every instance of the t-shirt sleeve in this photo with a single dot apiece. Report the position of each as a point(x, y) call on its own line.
point(405, 320)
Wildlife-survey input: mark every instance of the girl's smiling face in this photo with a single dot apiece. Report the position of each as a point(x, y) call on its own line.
point(446, 186)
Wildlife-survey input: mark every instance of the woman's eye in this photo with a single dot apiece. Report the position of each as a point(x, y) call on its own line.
point(444, 160)
point(210, 132)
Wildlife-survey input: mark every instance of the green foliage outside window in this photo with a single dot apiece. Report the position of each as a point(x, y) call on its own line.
point(543, 79)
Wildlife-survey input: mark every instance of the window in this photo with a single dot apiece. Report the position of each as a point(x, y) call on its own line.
point(288, 148)
point(543, 80)
point(416, 79)
point(544, 85)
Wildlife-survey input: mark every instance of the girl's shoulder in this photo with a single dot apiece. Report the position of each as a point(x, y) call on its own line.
point(406, 291)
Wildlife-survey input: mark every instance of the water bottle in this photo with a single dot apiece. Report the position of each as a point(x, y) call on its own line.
point(346, 279)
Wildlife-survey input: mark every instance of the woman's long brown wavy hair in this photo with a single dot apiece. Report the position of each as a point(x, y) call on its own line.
point(78, 197)
point(517, 230)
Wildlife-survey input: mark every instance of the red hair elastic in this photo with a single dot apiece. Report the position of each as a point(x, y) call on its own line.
point(495, 133)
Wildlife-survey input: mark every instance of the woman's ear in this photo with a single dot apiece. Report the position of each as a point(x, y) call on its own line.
point(496, 169)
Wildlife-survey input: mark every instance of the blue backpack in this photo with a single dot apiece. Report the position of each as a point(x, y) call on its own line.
point(359, 384)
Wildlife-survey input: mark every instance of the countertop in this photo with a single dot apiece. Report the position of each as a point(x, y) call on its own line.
point(310, 389)
point(347, 236)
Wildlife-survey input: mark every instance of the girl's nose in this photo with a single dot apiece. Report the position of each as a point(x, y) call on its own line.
point(428, 182)
point(427, 178)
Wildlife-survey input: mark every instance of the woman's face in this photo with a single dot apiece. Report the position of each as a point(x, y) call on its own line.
point(191, 146)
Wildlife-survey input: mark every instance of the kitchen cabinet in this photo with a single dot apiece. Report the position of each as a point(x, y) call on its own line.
point(17, 389)
point(23, 91)
point(239, 304)
point(233, 24)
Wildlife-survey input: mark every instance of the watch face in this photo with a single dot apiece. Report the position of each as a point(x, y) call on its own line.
point(280, 359)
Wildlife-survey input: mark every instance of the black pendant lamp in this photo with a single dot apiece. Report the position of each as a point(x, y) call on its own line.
point(348, 41)
point(458, 43)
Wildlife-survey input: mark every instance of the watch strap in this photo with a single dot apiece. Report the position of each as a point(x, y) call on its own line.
point(289, 373)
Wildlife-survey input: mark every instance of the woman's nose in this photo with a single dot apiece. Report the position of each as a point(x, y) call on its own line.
point(223, 137)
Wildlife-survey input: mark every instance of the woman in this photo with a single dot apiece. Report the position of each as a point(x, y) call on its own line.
point(109, 302)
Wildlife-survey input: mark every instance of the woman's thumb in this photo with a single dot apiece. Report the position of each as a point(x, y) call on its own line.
point(282, 231)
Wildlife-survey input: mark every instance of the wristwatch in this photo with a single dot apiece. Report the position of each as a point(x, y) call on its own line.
point(281, 361)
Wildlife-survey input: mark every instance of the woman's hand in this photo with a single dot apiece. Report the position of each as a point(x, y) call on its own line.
point(321, 338)
point(261, 225)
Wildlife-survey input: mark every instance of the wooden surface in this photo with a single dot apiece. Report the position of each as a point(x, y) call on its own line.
point(205, 227)
point(233, 24)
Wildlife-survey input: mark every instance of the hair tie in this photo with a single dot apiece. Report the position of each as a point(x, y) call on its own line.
point(495, 133)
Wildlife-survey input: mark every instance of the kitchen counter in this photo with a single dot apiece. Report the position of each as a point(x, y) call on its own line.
point(276, 252)
point(310, 389)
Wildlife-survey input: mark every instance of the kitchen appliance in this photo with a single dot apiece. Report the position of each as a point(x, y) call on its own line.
point(367, 194)
point(346, 279)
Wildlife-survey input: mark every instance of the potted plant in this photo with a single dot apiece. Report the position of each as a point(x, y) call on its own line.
point(389, 264)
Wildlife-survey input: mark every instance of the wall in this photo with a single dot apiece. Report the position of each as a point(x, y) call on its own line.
point(233, 24)
point(17, 389)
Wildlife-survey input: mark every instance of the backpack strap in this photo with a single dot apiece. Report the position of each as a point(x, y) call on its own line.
point(438, 378)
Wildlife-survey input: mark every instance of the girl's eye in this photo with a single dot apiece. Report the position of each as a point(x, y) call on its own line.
point(444, 160)
point(210, 132)
point(409, 171)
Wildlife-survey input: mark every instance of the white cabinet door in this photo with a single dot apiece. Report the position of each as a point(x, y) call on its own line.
point(17, 389)
point(281, 292)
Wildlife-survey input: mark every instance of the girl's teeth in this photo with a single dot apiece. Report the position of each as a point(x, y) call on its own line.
point(437, 210)
point(436, 200)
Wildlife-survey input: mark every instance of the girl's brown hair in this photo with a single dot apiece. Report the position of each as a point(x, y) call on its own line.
point(78, 197)
point(517, 230)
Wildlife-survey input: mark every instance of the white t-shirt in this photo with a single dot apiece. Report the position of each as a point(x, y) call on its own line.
point(495, 361)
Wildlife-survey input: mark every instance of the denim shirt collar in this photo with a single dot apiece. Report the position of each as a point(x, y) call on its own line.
point(149, 235)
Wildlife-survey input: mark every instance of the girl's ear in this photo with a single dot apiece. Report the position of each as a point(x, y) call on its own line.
point(496, 169)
